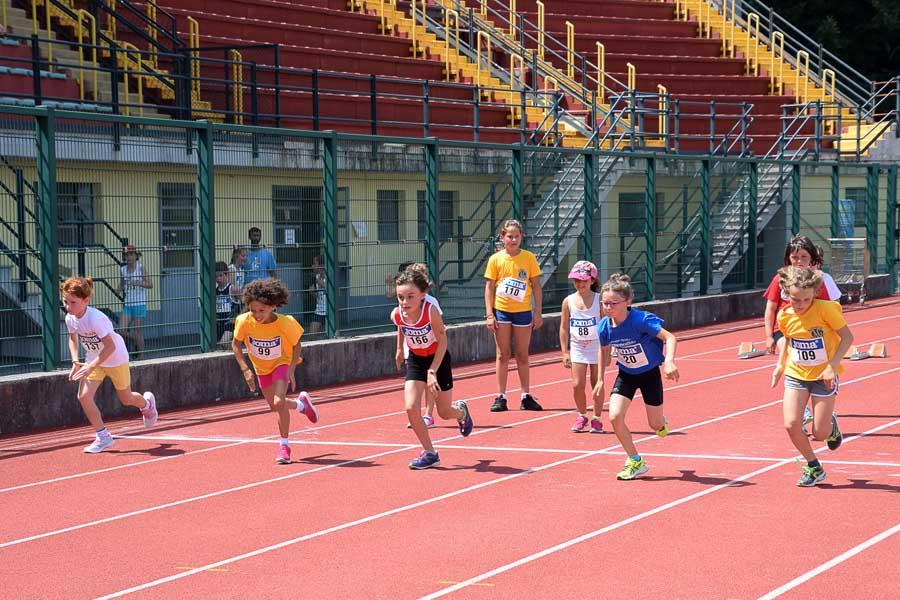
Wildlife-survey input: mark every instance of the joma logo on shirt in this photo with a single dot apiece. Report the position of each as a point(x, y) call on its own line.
point(273, 343)
point(628, 350)
point(582, 322)
point(807, 344)
point(413, 332)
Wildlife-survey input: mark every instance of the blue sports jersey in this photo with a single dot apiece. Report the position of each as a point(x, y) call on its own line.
point(635, 341)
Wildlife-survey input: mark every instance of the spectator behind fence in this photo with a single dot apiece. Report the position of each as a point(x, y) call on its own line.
point(260, 262)
point(133, 283)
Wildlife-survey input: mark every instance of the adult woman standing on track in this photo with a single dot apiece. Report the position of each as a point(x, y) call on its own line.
point(638, 337)
point(513, 278)
point(817, 336)
point(428, 366)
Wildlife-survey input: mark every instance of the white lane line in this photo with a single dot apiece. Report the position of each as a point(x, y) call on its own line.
point(478, 579)
point(843, 557)
point(612, 527)
point(298, 432)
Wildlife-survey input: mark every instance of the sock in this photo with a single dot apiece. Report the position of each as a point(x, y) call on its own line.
point(635, 457)
point(815, 464)
point(584, 414)
point(104, 433)
point(301, 405)
point(524, 394)
point(501, 395)
point(284, 441)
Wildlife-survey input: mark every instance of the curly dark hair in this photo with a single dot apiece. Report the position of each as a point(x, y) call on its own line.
point(269, 291)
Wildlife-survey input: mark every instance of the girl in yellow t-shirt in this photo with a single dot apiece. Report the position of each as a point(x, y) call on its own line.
point(817, 336)
point(273, 345)
point(513, 280)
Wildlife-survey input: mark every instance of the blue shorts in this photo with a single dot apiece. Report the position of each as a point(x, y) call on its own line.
point(517, 319)
point(135, 311)
point(815, 388)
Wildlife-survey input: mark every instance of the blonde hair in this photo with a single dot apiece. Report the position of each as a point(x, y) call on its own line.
point(508, 224)
point(80, 287)
point(618, 283)
point(800, 277)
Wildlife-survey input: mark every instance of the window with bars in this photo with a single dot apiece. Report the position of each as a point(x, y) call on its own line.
point(75, 203)
point(297, 217)
point(631, 213)
point(177, 224)
point(388, 214)
point(447, 201)
point(858, 196)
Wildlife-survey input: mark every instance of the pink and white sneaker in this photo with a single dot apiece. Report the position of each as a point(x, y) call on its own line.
point(150, 413)
point(596, 426)
point(429, 421)
point(309, 409)
point(580, 424)
point(284, 455)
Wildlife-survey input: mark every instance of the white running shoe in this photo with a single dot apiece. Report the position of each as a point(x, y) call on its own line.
point(150, 413)
point(100, 444)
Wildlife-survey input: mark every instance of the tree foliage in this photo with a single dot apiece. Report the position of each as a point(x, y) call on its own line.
point(863, 33)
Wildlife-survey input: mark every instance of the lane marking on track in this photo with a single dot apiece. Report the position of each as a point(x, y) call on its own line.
point(297, 432)
point(843, 557)
point(428, 501)
point(213, 570)
point(619, 524)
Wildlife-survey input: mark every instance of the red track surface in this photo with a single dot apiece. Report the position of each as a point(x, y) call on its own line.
point(521, 509)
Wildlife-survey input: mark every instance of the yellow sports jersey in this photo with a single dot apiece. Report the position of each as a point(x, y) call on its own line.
point(513, 276)
point(811, 338)
point(269, 345)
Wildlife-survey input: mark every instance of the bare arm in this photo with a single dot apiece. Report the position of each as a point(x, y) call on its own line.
point(564, 334)
point(538, 294)
point(242, 363)
point(398, 355)
point(769, 324)
point(490, 289)
point(671, 371)
point(440, 332)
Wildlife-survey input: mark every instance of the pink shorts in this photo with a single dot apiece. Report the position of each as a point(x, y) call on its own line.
point(280, 373)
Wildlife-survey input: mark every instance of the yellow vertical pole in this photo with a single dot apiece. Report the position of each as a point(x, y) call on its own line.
point(724, 28)
point(776, 82)
point(49, 38)
point(540, 32)
point(753, 43)
point(111, 18)
point(831, 110)
point(237, 90)
point(412, 13)
point(194, 42)
point(632, 81)
point(601, 73)
point(514, 60)
point(449, 12)
point(512, 19)
point(151, 30)
point(482, 35)
point(483, 8)
point(570, 50)
point(663, 108)
point(80, 35)
point(802, 72)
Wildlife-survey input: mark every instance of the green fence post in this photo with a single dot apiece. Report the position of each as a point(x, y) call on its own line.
point(795, 199)
point(431, 209)
point(893, 212)
point(750, 275)
point(835, 200)
point(47, 221)
point(516, 172)
point(705, 237)
point(590, 201)
point(207, 226)
point(872, 176)
point(329, 184)
point(650, 225)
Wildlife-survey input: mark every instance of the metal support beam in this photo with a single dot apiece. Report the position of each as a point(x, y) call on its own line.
point(835, 201)
point(590, 203)
point(872, 175)
point(47, 222)
point(705, 234)
point(795, 199)
point(207, 227)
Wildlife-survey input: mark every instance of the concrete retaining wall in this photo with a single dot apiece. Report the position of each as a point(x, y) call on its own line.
point(42, 400)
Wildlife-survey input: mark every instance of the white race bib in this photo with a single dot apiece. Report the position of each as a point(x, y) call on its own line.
point(91, 344)
point(631, 357)
point(583, 331)
point(419, 337)
point(223, 303)
point(512, 289)
point(265, 349)
point(809, 353)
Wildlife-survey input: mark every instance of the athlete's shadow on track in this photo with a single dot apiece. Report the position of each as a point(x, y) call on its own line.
point(692, 477)
point(323, 460)
point(861, 484)
point(158, 451)
point(484, 466)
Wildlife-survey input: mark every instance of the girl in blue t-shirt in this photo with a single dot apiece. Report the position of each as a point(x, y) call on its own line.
point(637, 337)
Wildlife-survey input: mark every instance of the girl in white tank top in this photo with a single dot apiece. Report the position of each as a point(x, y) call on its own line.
point(579, 342)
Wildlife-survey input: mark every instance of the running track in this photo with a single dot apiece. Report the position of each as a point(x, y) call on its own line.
point(196, 507)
